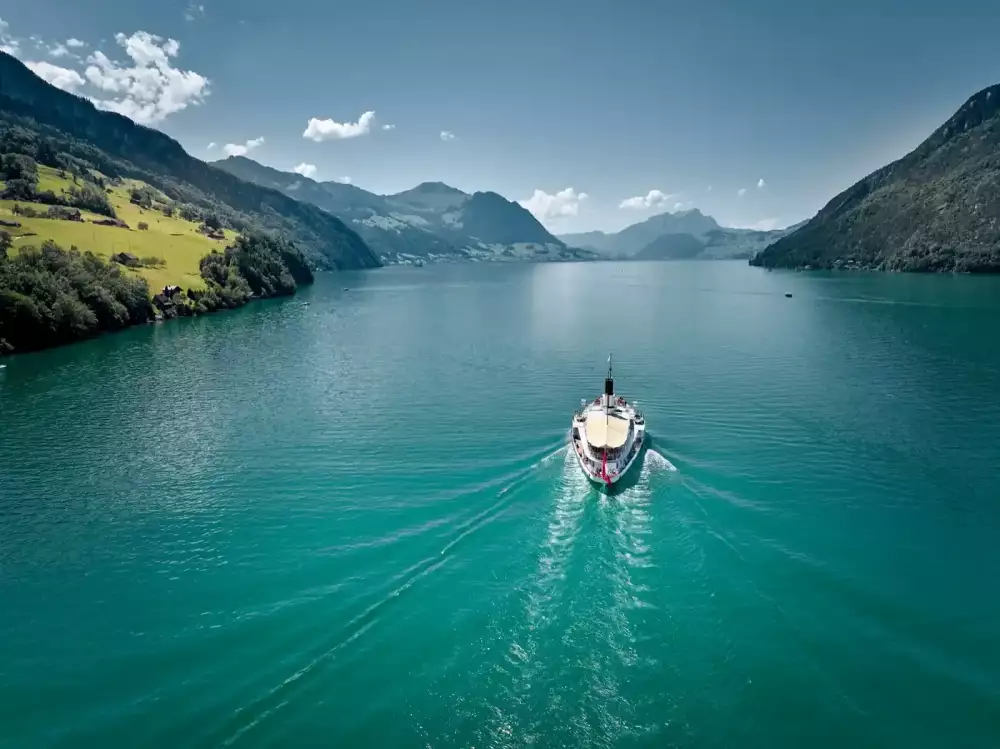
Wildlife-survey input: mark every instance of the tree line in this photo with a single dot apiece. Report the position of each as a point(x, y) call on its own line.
point(20, 173)
point(51, 296)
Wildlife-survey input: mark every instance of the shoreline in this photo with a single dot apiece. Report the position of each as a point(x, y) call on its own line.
point(6, 356)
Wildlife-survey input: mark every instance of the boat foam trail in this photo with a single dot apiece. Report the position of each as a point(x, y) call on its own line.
point(564, 525)
point(544, 592)
point(629, 522)
point(609, 612)
point(548, 459)
point(653, 460)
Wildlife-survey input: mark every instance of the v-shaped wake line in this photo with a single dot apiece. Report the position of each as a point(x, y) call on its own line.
point(654, 461)
point(565, 521)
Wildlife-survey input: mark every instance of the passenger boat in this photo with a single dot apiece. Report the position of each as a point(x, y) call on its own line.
point(607, 435)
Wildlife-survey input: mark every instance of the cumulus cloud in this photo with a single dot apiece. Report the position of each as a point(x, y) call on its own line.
point(761, 183)
point(546, 207)
point(388, 127)
point(344, 180)
point(146, 90)
point(151, 88)
point(683, 205)
point(306, 170)
point(652, 199)
point(741, 192)
point(242, 149)
point(448, 135)
point(64, 78)
point(320, 130)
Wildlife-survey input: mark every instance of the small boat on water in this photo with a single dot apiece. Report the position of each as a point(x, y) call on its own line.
point(607, 435)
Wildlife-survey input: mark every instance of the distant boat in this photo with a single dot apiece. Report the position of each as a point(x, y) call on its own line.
point(788, 294)
point(607, 435)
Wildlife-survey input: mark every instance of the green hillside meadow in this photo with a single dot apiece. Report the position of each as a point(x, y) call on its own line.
point(177, 242)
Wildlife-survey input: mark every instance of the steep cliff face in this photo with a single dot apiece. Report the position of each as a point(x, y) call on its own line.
point(935, 209)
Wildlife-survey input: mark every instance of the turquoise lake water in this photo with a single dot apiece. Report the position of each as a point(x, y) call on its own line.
point(345, 519)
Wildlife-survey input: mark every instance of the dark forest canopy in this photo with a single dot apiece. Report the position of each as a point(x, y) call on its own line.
point(51, 296)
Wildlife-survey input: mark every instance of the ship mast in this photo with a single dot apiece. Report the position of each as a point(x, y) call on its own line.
point(609, 389)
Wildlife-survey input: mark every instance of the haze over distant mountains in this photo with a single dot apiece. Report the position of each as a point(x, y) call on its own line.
point(431, 221)
point(675, 236)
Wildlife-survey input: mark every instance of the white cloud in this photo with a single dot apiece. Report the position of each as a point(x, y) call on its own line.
point(211, 146)
point(761, 183)
point(194, 11)
point(151, 89)
point(12, 45)
point(242, 149)
point(388, 127)
point(709, 189)
point(320, 130)
point(64, 78)
point(343, 180)
point(652, 199)
point(306, 170)
point(546, 207)
point(449, 135)
point(8, 44)
point(683, 205)
point(741, 192)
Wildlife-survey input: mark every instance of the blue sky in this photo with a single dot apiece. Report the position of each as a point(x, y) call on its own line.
point(667, 104)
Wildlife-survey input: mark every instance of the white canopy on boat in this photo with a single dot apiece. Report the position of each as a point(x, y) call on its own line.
point(606, 431)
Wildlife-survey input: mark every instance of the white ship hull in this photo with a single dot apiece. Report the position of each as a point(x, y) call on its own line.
point(607, 436)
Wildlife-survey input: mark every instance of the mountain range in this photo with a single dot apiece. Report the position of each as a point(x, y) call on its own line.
point(676, 236)
point(431, 221)
point(935, 209)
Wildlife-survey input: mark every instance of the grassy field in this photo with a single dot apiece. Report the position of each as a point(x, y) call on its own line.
point(176, 241)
